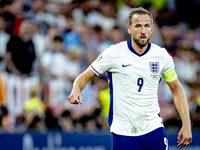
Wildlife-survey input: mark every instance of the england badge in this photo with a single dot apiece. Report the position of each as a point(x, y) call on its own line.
point(154, 67)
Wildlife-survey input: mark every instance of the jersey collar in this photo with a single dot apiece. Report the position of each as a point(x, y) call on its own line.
point(132, 50)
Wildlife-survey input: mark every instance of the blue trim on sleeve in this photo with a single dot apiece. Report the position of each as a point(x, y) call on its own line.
point(96, 72)
point(132, 50)
point(110, 116)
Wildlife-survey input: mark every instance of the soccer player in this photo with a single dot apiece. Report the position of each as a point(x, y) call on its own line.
point(135, 68)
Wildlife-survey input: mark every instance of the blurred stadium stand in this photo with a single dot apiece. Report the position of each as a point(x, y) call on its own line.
point(45, 44)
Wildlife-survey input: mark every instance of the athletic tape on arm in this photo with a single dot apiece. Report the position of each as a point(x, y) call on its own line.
point(170, 76)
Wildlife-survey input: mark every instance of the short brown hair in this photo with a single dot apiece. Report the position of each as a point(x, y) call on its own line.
point(140, 11)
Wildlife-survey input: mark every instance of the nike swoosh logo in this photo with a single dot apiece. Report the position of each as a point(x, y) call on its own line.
point(126, 65)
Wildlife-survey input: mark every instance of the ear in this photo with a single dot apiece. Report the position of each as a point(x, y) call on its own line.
point(129, 29)
point(152, 29)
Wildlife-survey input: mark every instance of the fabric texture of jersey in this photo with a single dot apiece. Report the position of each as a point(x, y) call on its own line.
point(133, 79)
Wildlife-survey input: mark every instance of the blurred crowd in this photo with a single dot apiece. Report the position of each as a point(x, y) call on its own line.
point(56, 40)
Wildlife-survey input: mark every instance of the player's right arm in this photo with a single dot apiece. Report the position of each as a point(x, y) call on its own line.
point(170, 76)
point(185, 134)
point(79, 84)
point(103, 63)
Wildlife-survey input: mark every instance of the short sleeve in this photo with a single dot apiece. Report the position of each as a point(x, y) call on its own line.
point(168, 63)
point(104, 61)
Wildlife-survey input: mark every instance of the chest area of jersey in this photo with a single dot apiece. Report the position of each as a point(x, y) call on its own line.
point(140, 67)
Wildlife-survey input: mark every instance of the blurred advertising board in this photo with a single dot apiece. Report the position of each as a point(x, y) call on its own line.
point(67, 141)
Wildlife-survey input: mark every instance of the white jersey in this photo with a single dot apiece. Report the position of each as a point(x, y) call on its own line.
point(133, 81)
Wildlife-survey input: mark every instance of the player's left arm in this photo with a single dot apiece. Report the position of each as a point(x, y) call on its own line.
point(185, 135)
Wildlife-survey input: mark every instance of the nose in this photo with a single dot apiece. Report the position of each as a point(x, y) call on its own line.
point(143, 30)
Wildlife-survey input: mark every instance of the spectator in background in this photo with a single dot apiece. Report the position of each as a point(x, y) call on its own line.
point(66, 7)
point(3, 91)
point(35, 102)
point(20, 55)
point(38, 14)
point(16, 10)
point(108, 19)
point(3, 42)
point(4, 120)
point(195, 102)
point(73, 65)
point(60, 70)
point(95, 12)
point(51, 119)
point(89, 123)
point(38, 40)
point(9, 18)
point(70, 35)
point(66, 122)
point(170, 35)
point(123, 9)
point(156, 35)
point(33, 112)
point(116, 35)
point(53, 62)
point(89, 45)
point(49, 39)
point(186, 59)
point(13, 14)
point(95, 40)
point(60, 20)
point(96, 43)
point(37, 124)
point(104, 97)
point(88, 13)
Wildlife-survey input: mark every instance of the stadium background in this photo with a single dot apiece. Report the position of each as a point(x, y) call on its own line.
point(61, 38)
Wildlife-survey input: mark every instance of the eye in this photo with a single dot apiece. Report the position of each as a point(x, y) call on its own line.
point(137, 25)
point(147, 25)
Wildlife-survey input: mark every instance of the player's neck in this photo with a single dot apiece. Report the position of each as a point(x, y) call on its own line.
point(137, 48)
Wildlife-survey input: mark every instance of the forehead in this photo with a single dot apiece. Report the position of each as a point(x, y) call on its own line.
point(141, 19)
point(25, 22)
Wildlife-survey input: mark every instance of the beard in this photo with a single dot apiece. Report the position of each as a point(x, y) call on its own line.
point(140, 44)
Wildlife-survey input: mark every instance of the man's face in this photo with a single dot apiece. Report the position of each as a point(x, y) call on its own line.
point(141, 29)
point(38, 5)
point(58, 46)
point(26, 28)
point(2, 23)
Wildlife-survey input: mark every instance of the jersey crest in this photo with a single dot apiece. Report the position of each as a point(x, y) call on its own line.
point(154, 67)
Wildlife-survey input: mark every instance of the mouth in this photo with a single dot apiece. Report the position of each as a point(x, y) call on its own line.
point(143, 37)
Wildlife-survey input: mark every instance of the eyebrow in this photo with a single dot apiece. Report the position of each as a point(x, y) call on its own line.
point(144, 24)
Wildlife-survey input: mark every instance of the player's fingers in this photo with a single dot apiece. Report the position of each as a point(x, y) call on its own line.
point(182, 143)
point(72, 99)
point(76, 101)
point(179, 137)
point(187, 143)
point(80, 99)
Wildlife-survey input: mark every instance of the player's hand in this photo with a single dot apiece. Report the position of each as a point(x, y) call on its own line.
point(75, 97)
point(184, 137)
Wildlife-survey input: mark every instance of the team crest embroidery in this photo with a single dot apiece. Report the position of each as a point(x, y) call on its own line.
point(154, 67)
point(99, 57)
